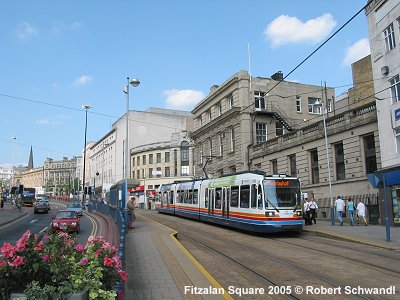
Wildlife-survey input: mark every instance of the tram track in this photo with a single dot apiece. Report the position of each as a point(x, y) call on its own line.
point(284, 262)
point(287, 263)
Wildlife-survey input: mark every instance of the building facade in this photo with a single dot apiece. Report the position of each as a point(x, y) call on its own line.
point(60, 178)
point(33, 178)
point(384, 36)
point(241, 113)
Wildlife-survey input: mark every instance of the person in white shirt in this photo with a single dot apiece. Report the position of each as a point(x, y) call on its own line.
point(339, 203)
point(313, 211)
point(361, 212)
point(306, 212)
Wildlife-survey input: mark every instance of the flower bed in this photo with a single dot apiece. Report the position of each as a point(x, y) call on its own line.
point(54, 266)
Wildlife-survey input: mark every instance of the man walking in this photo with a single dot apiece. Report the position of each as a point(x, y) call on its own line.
point(361, 212)
point(339, 203)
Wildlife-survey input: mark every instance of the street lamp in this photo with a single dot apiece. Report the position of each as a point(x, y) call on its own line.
point(86, 107)
point(134, 83)
point(12, 170)
point(324, 112)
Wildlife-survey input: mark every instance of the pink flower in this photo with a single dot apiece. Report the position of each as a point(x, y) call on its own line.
point(108, 262)
point(45, 257)
point(120, 295)
point(7, 250)
point(79, 248)
point(84, 261)
point(39, 246)
point(123, 275)
point(18, 260)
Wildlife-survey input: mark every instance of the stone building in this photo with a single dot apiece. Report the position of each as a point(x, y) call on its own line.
point(60, 176)
point(242, 113)
point(384, 36)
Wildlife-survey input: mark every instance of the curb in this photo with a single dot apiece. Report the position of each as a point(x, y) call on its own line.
point(108, 229)
point(351, 239)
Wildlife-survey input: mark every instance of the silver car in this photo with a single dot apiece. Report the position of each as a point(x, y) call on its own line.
point(76, 206)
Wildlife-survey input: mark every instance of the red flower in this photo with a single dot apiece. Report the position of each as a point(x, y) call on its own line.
point(123, 275)
point(108, 262)
point(18, 260)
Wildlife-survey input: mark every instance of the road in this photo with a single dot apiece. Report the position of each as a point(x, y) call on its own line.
point(39, 223)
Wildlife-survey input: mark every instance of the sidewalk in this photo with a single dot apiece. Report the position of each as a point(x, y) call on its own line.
point(373, 235)
point(9, 214)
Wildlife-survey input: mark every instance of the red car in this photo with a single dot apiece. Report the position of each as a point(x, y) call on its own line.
point(66, 220)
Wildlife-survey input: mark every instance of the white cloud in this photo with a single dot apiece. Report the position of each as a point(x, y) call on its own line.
point(290, 30)
point(182, 99)
point(26, 31)
point(83, 80)
point(357, 51)
point(42, 122)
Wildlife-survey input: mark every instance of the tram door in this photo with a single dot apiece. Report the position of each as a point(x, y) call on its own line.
point(211, 201)
point(226, 192)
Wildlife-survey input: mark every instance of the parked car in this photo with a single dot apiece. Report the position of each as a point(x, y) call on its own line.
point(66, 220)
point(76, 206)
point(41, 207)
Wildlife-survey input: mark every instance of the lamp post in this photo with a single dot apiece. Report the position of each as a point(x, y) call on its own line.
point(134, 83)
point(324, 112)
point(12, 170)
point(86, 107)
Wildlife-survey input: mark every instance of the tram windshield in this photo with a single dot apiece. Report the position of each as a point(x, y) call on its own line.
point(281, 192)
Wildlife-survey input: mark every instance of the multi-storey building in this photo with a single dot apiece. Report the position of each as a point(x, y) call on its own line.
point(107, 155)
point(33, 178)
point(165, 162)
point(60, 176)
point(244, 112)
point(384, 37)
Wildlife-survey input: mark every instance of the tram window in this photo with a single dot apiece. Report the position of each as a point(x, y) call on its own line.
point(218, 198)
point(171, 198)
point(253, 194)
point(234, 196)
point(206, 198)
point(195, 196)
point(244, 196)
point(190, 197)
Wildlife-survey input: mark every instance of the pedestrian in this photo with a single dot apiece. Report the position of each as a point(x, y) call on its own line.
point(2, 203)
point(339, 203)
point(306, 212)
point(351, 208)
point(313, 211)
point(131, 211)
point(361, 212)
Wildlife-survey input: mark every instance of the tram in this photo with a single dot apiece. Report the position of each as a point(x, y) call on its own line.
point(249, 201)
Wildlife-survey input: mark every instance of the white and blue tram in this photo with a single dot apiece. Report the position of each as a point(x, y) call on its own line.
point(248, 200)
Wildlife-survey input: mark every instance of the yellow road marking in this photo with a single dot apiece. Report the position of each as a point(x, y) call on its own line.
point(199, 266)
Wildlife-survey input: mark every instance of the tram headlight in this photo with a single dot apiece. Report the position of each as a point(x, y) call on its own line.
point(270, 214)
point(298, 213)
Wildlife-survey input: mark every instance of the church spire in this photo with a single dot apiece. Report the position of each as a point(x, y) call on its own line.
point(30, 163)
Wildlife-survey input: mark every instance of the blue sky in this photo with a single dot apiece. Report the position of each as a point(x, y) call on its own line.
point(59, 55)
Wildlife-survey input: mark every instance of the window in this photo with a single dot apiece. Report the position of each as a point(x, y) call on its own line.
point(279, 129)
point(167, 157)
point(329, 105)
point(185, 170)
point(220, 109)
point(259, 100)
point(230, 101)
point(292, 165)
point(159, 172)
point(210, 147)
point(298, 103)
point(234, 196)
point(150, 159)
point(221, 144)
point(150, 172)
point(261, 133)
point(314, 106)
point(158, 158)
point(144, 159)
point(184, 152)
point(232, 134)
point(339, 161)
point(397, 135)
point(167, 172)
point(314, 166)
point(138, 161)
point(369, 153)
point(395, 89)
point(274, 166)
point(133, 161)
point(201, 153)
point(138, 174)
point(244, 196)
point(209, 116)
point(390, 42)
